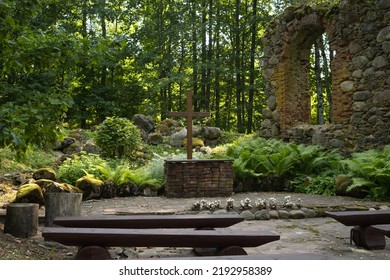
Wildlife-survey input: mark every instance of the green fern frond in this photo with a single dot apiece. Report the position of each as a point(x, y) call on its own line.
point(359, 183)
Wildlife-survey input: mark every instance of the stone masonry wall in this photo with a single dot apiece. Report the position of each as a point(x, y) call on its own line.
point(359, 33)
point(199, 178)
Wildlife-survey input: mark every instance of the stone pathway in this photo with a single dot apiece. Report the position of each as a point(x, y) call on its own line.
point(320, 235)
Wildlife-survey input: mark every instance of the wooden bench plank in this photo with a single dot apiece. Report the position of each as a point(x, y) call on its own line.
point(361, 218)
point(385, 229)
point(109, 237)
point(150, 221)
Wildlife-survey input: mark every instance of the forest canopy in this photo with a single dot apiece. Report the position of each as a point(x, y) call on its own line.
point(79, 62)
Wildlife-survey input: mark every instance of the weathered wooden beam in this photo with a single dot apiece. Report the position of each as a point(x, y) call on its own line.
point(150, 221)
point(109, 237)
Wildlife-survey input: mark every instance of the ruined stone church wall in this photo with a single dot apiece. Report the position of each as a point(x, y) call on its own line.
point(359, 33)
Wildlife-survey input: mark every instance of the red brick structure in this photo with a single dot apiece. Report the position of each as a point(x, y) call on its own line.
point(199, 178)
point(359, 33)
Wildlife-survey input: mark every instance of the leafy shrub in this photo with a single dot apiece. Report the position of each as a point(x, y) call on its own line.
point(118, 137)
point(74, 168)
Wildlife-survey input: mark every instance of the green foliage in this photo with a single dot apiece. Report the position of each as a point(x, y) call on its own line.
point(260, 157)
point(370, 170)
point(34, 158)
point(321, 183)
point(111, 171)
point(118, 137)
point(24, 122)
point(151, 175)
point(311, 168)
point(78, 166)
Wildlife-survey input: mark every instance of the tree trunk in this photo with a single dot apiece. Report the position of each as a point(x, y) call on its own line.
point(320, 98)
point(60, 205)
point(209, 56)
point(217, 70)
point(203, 81)
point(21, 219)
point(194, 55)
point(327, 78)
point(238, 66)
point(252, 68)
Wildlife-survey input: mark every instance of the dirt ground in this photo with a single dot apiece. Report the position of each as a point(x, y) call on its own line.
point(12, 248)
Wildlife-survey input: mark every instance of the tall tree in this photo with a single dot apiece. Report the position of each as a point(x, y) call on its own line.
point(237, 58)
point(317, 71)
point(252, 67)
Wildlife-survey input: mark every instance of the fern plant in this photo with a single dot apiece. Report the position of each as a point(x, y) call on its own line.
point(151, 175)
point(370, 171)
point(260, 158)
point(116, 173)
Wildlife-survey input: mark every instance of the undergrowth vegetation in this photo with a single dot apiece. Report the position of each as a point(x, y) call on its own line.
point(370, 171)
point(308, 169)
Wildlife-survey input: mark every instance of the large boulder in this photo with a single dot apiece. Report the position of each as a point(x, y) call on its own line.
point(196, 142)
point(155, 138)
point(128, 189)
point(91, 148)
point(52, 186)
point(73, 148)
point(144, 123)
point(65, 143)
point(209, 132)
point(176, 139)
point(45, 173)
point(90, 187)
point(166, 126)
point(30, 193)
point(342, 182)
point(108, 190)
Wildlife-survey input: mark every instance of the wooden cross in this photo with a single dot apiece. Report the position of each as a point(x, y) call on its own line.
point(189, 114)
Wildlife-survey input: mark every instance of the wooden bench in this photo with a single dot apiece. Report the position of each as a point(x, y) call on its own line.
point(369, 227)
point(385, 229)
point(150, 221)
point(93, 242)
point(286, 256)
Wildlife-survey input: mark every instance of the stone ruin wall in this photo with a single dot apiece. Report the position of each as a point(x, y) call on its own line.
point(359, 33)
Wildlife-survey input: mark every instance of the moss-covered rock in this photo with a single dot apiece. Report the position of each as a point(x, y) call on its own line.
point(155, 138)
point(91, 187)
point(52, 186)
point(45, 173)
point(72, 148)
point(108, 190)
point(30, 193)
point(342, 182)
point(196, 142)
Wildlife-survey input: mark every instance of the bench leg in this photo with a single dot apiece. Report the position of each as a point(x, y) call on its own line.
point(367, 238)
point(204, 252)
point(231, 251)
point(93, 253)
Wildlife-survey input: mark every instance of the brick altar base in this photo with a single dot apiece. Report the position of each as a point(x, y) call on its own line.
point(199, 178)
